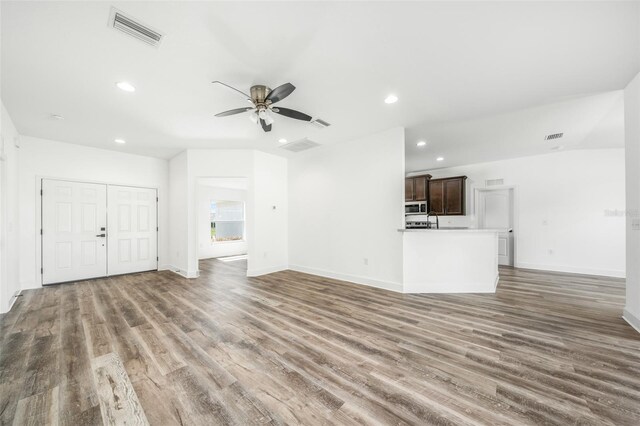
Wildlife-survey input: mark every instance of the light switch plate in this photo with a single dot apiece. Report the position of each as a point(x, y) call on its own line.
point(635, 224)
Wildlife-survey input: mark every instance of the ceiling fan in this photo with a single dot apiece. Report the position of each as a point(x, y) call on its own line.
point(263, 98)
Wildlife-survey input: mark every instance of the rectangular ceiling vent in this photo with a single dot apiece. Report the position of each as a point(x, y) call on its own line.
point(494, 182)
point(121, 22)
point(553, 136)
point(320, 123)
point(301, 145)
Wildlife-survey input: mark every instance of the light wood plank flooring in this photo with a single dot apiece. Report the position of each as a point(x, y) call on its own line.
point(290, 348)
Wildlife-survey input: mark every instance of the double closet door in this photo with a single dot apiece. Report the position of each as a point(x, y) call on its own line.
point(94, 230)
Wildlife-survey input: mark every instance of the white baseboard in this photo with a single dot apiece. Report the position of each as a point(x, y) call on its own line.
point(386, 285)
point(573, 269)
point(12, 301)
point(631, 319)
point(30, 286)
point(446, 288)
point(182, 272)
point(265, 271)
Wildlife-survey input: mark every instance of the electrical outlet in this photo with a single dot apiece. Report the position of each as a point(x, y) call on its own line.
point(265, 255)
point(551, 251)
point(365, 261)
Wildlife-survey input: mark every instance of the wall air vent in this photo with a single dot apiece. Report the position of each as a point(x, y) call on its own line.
point(553, 136)
point(494, 182)
point(301, 145)
point(320, 123)
point(122, 22)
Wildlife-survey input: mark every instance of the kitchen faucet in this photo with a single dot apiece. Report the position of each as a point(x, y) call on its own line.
point(437, 220)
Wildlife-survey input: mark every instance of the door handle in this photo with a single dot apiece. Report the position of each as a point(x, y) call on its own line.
point(101, 235)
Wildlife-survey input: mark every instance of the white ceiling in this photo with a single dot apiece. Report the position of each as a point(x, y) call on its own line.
point(595, 121)
point(447, 62)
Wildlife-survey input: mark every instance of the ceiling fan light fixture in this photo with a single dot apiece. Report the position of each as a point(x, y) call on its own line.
point(263, 99)
point(268, 119)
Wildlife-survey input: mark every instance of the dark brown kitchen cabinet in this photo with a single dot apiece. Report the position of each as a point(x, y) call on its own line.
point(420, 188)
point(409, 189)
point(416, 188)
point(447, 196)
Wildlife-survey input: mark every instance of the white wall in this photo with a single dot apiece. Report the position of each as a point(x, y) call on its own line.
point(179, 215)
point(40, 158)
point(207, 249)
point(632, 141)
point(270, 240)
point(346, 205)
point(561, 201)
point(266, 228)
point(9, 212)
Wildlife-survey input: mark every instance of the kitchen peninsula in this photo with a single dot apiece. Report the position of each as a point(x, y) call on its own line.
point(450, 260)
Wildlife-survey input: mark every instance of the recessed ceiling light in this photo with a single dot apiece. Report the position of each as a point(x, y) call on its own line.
point(119, 141)
point(283, 140)
point(440, 159)
point(57, 117)
point(421, 143)
point(127, 87)
point(391, 99)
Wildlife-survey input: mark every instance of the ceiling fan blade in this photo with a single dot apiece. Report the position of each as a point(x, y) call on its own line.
point(266, 127)
point(280, 92)
point(292, 113)
point(233, 111)
point(244, 95)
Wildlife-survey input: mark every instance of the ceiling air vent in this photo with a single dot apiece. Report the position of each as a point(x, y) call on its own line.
point(553, 136)
point(120, 21)
point(301, 145)
point(320, 123)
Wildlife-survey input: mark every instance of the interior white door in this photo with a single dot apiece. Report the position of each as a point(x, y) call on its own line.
point(132, 232)
point(496, 212)
point(74, 218)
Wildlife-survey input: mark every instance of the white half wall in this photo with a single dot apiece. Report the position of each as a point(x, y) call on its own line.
point(632, 147)
point(569, 208)
point(207, 249)
point(41, 158)
point(346, 205)
point(9, 212)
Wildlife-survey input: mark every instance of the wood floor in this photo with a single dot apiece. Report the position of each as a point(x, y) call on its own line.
point(290, 348)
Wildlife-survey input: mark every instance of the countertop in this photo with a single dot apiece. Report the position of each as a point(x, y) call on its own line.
point(445, 229)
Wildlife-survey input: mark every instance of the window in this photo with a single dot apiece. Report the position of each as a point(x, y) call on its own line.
point(227, 221)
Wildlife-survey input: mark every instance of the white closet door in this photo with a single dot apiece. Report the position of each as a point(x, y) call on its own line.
point(74, 217)
point(132, 232)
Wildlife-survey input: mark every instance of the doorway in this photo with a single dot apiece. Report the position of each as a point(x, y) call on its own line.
point(222, 221)
point(496, 211)
point(91, 230)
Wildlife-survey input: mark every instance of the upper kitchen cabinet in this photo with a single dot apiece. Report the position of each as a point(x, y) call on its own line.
point(447, 196)
point(415, 188)
point(409, 189)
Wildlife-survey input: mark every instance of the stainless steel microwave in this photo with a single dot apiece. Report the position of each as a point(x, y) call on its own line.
point(415, 207)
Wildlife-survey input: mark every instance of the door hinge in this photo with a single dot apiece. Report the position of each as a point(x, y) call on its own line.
point(41, 271)
point(157, 228)
point(41, 192)
point(157, 199)
point(157, 259)
point(40, 231)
